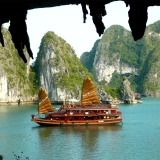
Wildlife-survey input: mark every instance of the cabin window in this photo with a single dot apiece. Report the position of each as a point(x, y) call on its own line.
point(113, 111)
point(80, 118)
point(95, 118)
point(89, 117)
point(71, 113)
point(63, 111)
point(86, 118)
point(107, 112)
point(75, 118)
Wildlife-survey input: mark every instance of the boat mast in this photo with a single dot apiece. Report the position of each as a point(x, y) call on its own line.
point(38, 103)
point(82, 93)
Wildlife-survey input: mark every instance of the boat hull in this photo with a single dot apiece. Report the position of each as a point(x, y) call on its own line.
point(44, 122)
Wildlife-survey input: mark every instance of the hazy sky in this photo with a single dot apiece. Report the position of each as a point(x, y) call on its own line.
point(67, 22)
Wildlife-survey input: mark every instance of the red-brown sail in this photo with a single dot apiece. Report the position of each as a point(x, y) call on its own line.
point(45, 105)
point(89, 94)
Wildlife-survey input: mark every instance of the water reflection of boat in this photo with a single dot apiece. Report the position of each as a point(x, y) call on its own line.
point(86, 136)
point(89, 112)
point(47, 132)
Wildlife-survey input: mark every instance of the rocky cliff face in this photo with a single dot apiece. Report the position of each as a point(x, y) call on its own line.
point(14, 74)
point(116, 52)
point(48, 73)
point(127, 95)
point(104, 69)
point(60, 71)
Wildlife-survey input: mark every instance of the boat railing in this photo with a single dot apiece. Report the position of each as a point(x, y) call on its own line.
point(94, 106)
point(114, 106)
point(90, 113)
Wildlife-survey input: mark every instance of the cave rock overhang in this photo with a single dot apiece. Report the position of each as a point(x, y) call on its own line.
point(15, 12)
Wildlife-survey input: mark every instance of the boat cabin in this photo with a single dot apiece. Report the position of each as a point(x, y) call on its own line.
point(80, 113)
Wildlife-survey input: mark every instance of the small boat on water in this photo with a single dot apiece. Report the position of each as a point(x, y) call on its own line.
point(137, 96)
point(89, 112)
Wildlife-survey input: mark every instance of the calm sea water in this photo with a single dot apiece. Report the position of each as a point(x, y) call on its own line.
point(137, 139)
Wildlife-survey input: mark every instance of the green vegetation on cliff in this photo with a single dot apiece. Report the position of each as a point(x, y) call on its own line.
point(87, 58)
point(19, 77)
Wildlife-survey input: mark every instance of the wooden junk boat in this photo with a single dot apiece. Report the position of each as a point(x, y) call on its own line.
point(88, 112)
